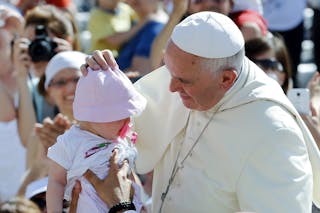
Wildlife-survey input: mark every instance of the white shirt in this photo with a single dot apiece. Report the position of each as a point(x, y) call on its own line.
point(77, 151)
point(13, 163)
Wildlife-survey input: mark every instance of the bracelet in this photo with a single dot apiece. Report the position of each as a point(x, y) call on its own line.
point(122, 206)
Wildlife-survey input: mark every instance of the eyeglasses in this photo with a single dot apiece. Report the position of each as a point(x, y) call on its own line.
point(269, 64)
point(63, 82)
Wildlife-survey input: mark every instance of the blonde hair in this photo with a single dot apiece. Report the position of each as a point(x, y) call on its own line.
point(19, 205)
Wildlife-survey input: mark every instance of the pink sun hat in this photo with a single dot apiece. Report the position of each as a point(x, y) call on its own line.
point(106, 96)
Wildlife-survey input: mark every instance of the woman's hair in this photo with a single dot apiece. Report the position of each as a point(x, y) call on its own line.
point(57, 21)
point(275, 43)
point(42, 91)
point(19, 205)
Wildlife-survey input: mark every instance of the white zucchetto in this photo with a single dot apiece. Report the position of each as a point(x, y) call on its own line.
point(208, 35)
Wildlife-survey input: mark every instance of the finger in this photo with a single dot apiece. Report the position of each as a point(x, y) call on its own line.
point(124, 169)
point(58, 119)
point(92, 178)
point(47, 120)
point(38, 127)
point(54, 124)
point(111, 61)
point(132, 192)
point(83, 69)
point(96, 61)
point(62, 45)
point(75, 197)
point(53, 129)
point(58, 129)
point(62, 120)
point(113, 161)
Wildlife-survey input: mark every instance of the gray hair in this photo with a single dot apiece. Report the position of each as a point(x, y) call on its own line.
point(216, 65)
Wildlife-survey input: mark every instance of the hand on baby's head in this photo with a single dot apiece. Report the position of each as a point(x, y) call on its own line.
point(99, 60)
point(106, 96)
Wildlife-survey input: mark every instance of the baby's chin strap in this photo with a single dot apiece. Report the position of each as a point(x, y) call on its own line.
point(126, 131)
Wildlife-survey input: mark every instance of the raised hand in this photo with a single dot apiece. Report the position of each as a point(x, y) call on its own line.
point(49, 130)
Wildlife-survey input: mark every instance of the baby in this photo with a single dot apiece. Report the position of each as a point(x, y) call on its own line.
point(103, 104)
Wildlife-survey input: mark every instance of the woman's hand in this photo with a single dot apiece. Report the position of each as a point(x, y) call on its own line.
point(21, 58)
point(49, 130)
point(62, 45)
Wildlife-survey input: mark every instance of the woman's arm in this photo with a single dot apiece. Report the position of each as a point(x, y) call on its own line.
point(179, 9)
point(26, 115)
point(7, 112)
point(49, 130)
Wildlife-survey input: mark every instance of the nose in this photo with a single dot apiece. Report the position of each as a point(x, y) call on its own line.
point(71, 86)
point(174, 85)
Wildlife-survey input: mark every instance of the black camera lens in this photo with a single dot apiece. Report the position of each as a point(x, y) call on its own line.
point(42, 47)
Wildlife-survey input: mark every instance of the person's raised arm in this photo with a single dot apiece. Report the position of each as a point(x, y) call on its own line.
point(179, 9)
point(26, 114)
point(49, 130)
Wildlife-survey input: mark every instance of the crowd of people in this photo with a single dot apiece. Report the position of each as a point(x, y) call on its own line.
point(178, 106)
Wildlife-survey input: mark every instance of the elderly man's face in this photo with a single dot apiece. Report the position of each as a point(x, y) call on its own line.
point(198, 88)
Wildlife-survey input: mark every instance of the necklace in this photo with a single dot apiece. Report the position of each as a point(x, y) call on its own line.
point(177, 167)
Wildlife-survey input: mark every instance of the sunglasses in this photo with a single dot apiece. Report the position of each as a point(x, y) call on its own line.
point(63, 82)
point(269, 64)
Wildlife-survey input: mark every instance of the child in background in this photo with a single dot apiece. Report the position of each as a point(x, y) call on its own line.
point(103, 104)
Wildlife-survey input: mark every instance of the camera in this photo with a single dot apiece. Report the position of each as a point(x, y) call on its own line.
point(42, 47)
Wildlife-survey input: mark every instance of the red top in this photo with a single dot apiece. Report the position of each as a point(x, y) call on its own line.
point(246, 16)
point(60, 3)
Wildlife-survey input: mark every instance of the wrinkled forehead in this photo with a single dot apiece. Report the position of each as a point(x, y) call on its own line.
point(172, 51)
point(180, 62)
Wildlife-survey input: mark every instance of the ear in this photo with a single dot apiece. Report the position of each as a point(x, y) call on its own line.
point(228, 77)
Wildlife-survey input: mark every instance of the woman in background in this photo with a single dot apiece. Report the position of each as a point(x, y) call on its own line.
point(271, 54)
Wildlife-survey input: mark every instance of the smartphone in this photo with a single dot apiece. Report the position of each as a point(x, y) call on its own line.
point(300, 98)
